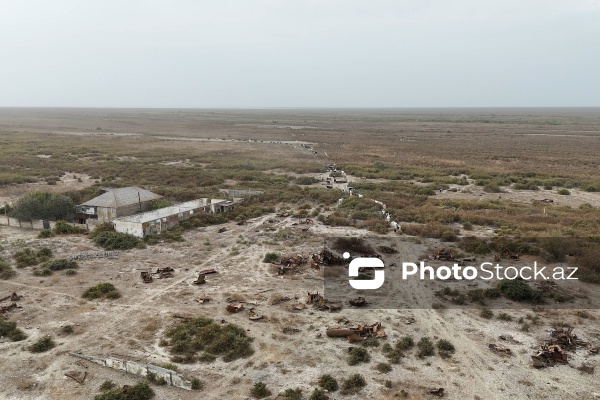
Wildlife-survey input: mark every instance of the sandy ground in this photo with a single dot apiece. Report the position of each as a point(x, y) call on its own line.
point(67, 182)
point(132, 326)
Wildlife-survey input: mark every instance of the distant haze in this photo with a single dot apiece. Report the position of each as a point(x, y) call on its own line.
point(301, 53)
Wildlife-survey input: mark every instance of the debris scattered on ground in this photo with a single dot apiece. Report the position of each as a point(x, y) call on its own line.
point(358, 333)
point(77, 376)
point(437, 392)
point(235, 307)
point(358, 302)
point(498, 348)
point(554, 350)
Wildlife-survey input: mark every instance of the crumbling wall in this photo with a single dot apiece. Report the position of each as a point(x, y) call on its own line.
point(141, 369)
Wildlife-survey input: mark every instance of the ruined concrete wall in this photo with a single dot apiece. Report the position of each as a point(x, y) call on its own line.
point(131, 209)
point(35, 224)
point(132, 228)
point(141, 369)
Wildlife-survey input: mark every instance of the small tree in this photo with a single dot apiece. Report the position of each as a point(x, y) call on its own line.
point(44, 205)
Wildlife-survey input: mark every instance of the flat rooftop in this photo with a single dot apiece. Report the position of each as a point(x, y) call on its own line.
point(168, 211)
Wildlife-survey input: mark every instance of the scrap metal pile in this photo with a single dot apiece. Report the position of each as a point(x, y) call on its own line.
point(357, 333)
point(5, 309)
point(321, 303)
point(553, 351)
point(291, 263)
point(147, 276)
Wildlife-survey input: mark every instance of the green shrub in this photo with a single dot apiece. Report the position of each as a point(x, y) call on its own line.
point(70, 272)
point(358, 355)
point(318, 394)
point(467, 226)
point(197, 384)
point(293, 394)
point(67, 329)
point(45, 234)
point(519, 290)
point(117, 241)
point(563, 192)
point(425, 348)
point(102, 290)
point(260, 390)
point(445, 348)
point(44, 254)
point(271, 258)
point(204, 335)
point(140, 391)
point(6, 272)
point(384, 368)
point(42, 272)
point(44, 344)
point(26, 258)
point(353, 384)
point(486, 313)
point(107, 385)
point(60, 264)
point(504, 317)
point(328, 383)
point(64, 228)
point(9, 330)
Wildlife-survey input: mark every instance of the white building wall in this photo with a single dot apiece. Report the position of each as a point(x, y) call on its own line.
point(132, 228)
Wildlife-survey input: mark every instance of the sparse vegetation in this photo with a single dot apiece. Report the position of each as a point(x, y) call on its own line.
point(42, 345)
point(271, 258)
point(203, 335)
point(293, 394)
point(358, 355)
point(102, 290)
point(425, 348)
point(328, 383)
point(445, 348)
point(353, 384)
point(139, 391)
point(8, 329)
point(260, 390)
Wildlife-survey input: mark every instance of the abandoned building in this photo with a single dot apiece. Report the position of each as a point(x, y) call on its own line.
point(115, 203)
point(156, 221)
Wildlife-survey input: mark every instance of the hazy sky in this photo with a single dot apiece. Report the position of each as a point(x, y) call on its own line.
point(301, 53)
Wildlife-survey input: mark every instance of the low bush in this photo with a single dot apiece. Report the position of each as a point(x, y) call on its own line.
point(44, 344)
point(564, 192)
point(271, 258)
point(140, 391)
point(6, 272)
point(384, 368)
point(65, 228)
point(425, 348)
point(519, 290)
point(8, 329)
point(353, 384)
point(318, 394)
point(293, 394)
point(204, 335)
point(102, 290)
point(45, 234)
point(260, 390)
point(328, 383)
point(26, 258)
point(111, 240)
point(445, 348)
point(358, 355)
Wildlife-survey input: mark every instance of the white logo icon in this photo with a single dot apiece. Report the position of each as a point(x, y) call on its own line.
point(366, 262)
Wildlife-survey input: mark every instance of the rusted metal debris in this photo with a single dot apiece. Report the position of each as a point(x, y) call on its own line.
point(200, 281)
point(13, 297)
point(287, 329)
point(547, 356)
point(146, 276)
point(554, 350)
point(328, 258)
point(498, 348)
point(321, 303)
point(437, 392)
point(203, 300)
point(253, 316)
point(357, 333)
point(358, 302)
point(78, 377)
point(444, 254)
point(208, 271)
point(235, 307)
point(221, 230)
